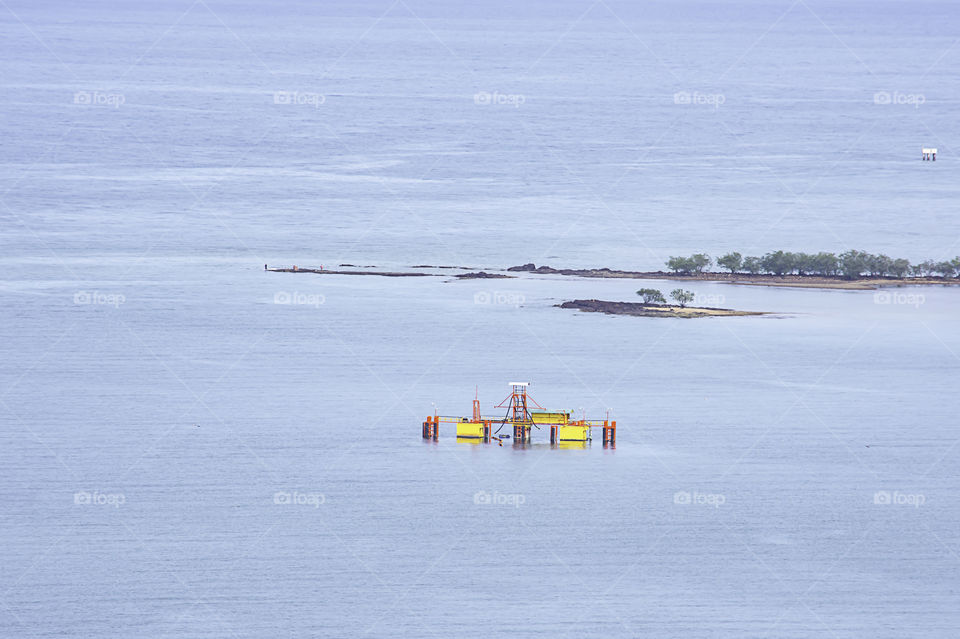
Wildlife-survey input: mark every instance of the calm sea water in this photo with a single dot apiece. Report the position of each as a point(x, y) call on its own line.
point(183, 456)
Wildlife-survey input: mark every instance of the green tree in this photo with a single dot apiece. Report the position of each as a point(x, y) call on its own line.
point(926, 267)
point(681, 296)
point(700, 261)
point(878, 265)
point(899, 267)
point(651, 296)
point(792, 261)
point(752, 265)
point(825, 264)
point(885, 264)
point(732, 261)
point(778, 262)
point(679, 264)
point(853, 263)
point(945, 268)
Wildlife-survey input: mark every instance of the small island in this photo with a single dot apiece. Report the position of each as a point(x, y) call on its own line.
point(641, 309)
point(655, 305)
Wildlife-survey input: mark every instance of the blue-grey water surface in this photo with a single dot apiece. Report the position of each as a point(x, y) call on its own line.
point(185, 455)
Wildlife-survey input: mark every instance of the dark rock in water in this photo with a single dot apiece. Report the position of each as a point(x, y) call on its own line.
point(482, 275)
point(601, 306)
point(531, 268)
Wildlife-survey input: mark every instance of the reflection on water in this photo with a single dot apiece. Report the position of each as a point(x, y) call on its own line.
point(476, 442)
point(580, 445)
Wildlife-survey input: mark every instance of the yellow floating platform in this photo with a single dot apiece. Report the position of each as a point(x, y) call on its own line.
point(470, 430)
point(565, 430)
point(573, 433)
point(544, 417)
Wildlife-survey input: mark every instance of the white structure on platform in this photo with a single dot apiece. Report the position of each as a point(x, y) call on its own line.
point(929, 153)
